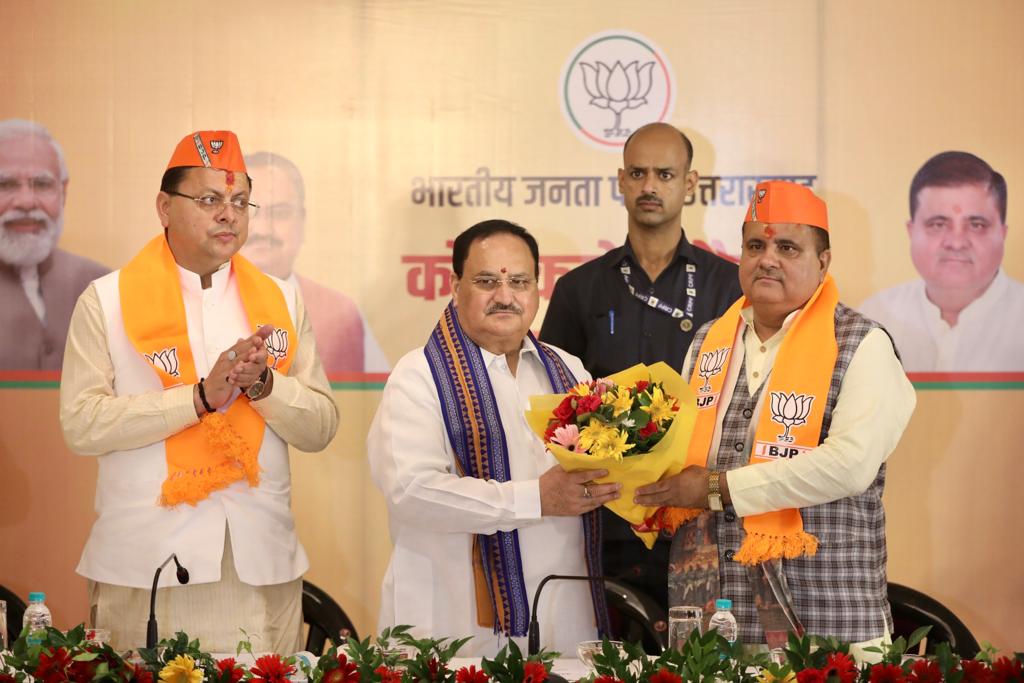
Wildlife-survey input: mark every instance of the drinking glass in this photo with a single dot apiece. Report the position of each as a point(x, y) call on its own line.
point(681, 623)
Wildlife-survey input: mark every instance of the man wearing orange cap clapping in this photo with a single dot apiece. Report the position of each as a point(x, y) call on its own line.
point(189, 372)
point(800, 401)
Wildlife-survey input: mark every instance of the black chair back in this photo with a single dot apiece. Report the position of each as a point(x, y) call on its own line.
point(636, 617)
point(912, 609)
point(326, 620)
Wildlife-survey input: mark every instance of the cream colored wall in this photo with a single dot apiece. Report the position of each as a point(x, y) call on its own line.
point(365, 96)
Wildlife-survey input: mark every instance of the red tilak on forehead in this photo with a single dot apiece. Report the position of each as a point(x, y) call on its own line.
point(769, 232)
point(230, 178)
point(957, 209)
point(504, 270)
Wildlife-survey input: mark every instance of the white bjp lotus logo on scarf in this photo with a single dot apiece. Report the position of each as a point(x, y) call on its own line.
point(790, 410)
point(166, 360)
point(711, 364)
point(277, 345)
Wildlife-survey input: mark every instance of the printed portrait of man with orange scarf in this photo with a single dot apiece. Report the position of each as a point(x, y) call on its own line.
point(800, 402)
point(189, 372)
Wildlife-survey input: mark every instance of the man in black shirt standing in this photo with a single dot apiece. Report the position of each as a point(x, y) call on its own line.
point(642, 303)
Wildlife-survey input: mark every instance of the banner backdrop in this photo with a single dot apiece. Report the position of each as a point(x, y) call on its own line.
point(376, 131)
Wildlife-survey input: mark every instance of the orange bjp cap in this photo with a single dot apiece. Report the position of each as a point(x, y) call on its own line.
point(780, 201)
point(210, 148)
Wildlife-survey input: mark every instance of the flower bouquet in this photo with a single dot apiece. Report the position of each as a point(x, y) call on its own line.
point(635, 424)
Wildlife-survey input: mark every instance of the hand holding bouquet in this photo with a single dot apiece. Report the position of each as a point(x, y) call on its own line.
point(635, 424)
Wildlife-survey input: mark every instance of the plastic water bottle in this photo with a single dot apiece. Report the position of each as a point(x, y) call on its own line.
point(37, 618)
point(724, 621)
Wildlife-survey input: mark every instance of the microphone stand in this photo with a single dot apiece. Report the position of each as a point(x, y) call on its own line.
point(533, 642)
point(182, 575)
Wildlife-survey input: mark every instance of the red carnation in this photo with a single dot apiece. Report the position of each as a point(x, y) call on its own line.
point(924, 671)
point(51, 666)
point(642, 385)
point(388, 675)
point(975, 671)
point(271, 669)
point(470, 674)
point(810, 676)
point(841, 665)
point(587, 404)
point(346, 672)
point(886, 673)
point(564, 411)
point(229, 671)
point(648, 429)
point(663, 675)
point(534, 672)
point(1006, 670)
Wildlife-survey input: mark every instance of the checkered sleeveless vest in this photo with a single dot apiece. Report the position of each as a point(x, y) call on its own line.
point(840, 591)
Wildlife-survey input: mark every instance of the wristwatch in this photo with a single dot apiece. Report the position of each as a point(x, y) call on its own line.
point(715, 492)
point(255, 390)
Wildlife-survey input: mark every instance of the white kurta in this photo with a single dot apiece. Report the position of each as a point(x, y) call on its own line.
point(434, 513)
point(988, 336)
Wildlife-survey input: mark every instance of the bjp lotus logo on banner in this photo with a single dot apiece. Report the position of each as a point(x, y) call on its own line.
point(612, 84)
point(166, 360)
point(790, 410)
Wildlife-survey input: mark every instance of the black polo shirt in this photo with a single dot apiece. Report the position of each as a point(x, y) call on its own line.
point(586, 299)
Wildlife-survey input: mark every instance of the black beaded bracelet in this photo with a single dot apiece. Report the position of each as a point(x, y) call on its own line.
point(202, 397)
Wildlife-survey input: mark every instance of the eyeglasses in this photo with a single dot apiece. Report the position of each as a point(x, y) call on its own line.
point(517, 283)
point(211, 203)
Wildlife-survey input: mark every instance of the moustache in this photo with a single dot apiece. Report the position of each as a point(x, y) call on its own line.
point(504, 308)
point(22, 215)
point(648, 198)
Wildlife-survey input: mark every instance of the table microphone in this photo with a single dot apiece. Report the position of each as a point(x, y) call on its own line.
point(182, 575)
point(533, 642)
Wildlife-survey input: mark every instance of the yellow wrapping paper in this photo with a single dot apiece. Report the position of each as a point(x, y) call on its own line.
point(632, 471)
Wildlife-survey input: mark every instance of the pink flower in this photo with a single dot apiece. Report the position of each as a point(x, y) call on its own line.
point(602, 385)
point(567, 437)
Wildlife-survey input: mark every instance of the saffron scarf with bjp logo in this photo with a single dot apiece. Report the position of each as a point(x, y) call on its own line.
point(790, 424)
point(224, 447)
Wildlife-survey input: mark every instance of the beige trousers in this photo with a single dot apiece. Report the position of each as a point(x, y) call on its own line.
point(214, 613)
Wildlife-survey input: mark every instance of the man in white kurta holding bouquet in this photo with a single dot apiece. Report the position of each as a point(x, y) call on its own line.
point(479, 511)
point(189, 372)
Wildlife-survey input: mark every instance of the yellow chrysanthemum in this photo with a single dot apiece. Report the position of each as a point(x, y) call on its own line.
point(660, 409)
point(623, 402)
point(767, 677)
point(581, 389)
point(595, 434)
point(613, 443)
point(181, 669)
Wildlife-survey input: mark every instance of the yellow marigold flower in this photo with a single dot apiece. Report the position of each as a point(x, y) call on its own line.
point(613, 443)
point(660, 409)
point(182, 669)
point(767, 677)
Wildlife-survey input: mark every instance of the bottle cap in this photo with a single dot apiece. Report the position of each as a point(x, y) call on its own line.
point(723, 603)
point(36, 596)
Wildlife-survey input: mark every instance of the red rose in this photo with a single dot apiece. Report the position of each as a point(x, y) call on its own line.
point(975, 671)
point(470, 674)
point(664, 676)
point(810, 676)
point(534, 672)
point(587, 404)
point(1006, 670)
point(271, 669)
point(565, 412)
point(642, 385)
point(886, 673)
point(650, 428)
point(841, 665)
point(388, 675)
point(345, 672)
point(924, 671)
